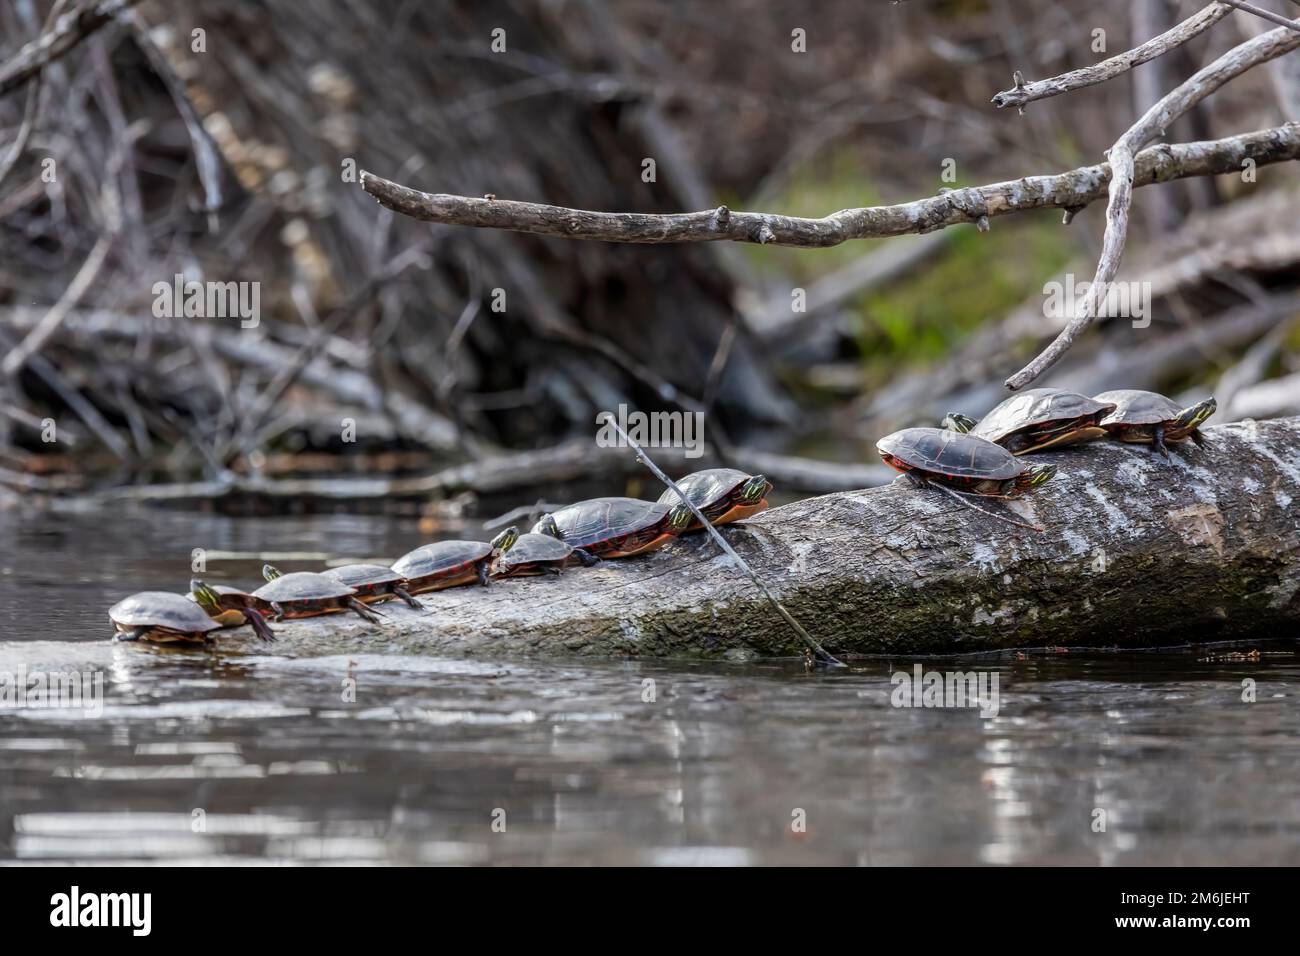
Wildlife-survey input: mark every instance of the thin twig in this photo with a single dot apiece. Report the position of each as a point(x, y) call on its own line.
point(1202, 84)
point(78, 287)
point(984, 511)
point(80, 405)
point(807, 638)
point(10, 159)
point(1268, 15)
point(31, 108)
point(207, 158)
point(415, 256)
point(68, 31)
point(1026, 92)
point(1071, 190)
point(89, 271)
point(522, 513)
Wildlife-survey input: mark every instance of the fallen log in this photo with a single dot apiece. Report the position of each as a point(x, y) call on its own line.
point(1138, 552)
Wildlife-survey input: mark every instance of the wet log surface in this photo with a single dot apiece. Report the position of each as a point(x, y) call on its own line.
point(1137, 552)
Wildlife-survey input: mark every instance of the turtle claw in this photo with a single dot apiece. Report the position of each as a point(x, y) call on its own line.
point(259, 626)
point(1158, 439)
point(405, 595)
point(368, 613)
point(586, 557)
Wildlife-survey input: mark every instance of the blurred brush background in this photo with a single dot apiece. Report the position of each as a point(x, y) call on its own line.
point(237, 162)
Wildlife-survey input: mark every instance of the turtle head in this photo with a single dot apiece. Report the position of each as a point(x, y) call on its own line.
point(755, 490)
point(270, 572)
point(1191, 418)
point(679, 519)
point(506, 539)
point(957, 422)
point(548, 526)
point(1036, 475)
point(205, 597)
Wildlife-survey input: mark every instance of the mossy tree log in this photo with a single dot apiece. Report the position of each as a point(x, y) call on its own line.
point(1137, 552)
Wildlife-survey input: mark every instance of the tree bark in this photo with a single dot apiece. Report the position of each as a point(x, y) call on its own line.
point(1070, 191)
point(1138, 552)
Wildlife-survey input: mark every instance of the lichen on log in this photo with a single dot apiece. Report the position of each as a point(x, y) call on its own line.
point(1138, 552)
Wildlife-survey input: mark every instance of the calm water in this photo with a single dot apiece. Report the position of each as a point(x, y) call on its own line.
point(238, 756)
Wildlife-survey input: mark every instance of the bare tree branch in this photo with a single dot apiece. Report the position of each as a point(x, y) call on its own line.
point(30, 110)
point(111, 206)
point(1265, 14)
point(81, 282)
point(69, 30)
point(1071, 191)
point(25, 126)
point(1153, 124)
point(1176, 36)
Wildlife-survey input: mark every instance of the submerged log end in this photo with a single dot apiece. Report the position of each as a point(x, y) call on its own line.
point(1137, 552)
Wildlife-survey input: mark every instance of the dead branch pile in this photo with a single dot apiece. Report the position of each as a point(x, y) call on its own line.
point(225, 142)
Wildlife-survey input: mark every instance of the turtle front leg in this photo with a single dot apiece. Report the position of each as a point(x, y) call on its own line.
point(1197, 436)
point(132, 635)
point(586, 557)
point(259, 625)
point(915, 480)
point(484, 573)
point(1158, 440)
point(363, 611)
point(405, 595)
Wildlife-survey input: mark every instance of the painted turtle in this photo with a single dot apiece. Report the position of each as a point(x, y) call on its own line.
point(532, 554)
point(964, 462)
point(1151, 419)
point(722, 495)
point(615, 527)
point(446, 564)
point(231, 607)
point(373, 582)
point(161, 617)
point(1036, 419)
point(307, 594)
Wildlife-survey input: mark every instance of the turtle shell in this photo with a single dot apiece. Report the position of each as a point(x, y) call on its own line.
point(302, 586)
point(945, 452)
point(363, 575)
point(162, 609)
point(227, 589)
point(605, 519)
point(1037, 406)
point(533, 548)
point(438, 557)
point(707, 487)
point(1136, 407)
